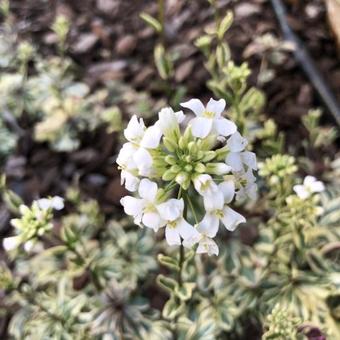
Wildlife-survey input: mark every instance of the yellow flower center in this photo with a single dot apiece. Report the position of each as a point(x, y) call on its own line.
point(208, 114)
point(219, 213)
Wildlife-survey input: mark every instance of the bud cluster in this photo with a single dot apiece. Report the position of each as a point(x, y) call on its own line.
point(209, 156)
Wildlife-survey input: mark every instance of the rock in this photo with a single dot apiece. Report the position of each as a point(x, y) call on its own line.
point(244, 10)
point(84, 43)
point(109, 7)
point(184, 70)
point(126, 45)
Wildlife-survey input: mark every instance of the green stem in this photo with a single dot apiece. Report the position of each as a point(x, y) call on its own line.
point(161, 19)
point(192, 208)
point(180, 265)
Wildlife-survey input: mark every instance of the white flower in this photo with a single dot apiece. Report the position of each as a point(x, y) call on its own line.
point(134, 154)
point(144, 209)
point(237, 157)
point(217, 210)
point(137, 133)
point(131, 181)
point(247, 183)
point(208, 119)
point(10, 243)
point(205, 185)
point(168, 120)
point(56, 203)
point(176, 226)
point(134, 158)
point(310, 185)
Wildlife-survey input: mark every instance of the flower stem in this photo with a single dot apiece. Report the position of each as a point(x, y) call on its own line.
point(180, 264)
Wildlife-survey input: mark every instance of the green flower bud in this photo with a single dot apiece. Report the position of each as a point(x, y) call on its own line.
point(170, 144)
point(169, 175)
point(175, 168)
point(181, 178)
point(209, 155)
point(188, 168)
point(170, 159)
point(200, 168)
point(217, 168)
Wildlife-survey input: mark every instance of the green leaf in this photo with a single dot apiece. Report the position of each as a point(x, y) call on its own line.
point(172, 308)
point(203, 42)
point(151, 21)
point(184, 292)
point(224, 25)
point(253, 99)
point(168, 262)
point(162, 61)
point(167, 283)
point(222, 54)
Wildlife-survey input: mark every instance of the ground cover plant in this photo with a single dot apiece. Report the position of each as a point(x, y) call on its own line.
point(182, 182)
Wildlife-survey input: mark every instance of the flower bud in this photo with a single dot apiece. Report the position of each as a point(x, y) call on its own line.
point(208, 156)
point(170, 159)
point(217, 168)
point(170, 144)
point(168, 175)
point(200, 168)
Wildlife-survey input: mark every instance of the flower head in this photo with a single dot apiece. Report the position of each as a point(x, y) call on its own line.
point(164, 160)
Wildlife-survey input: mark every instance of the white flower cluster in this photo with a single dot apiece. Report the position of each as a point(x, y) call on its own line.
point(310, 186)
point(34, 221)
point(208, 158)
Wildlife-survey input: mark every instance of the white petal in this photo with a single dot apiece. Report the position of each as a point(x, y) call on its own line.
point(251, 191)
point(216, 106)
point(204, 184)
point(186, 230)
point(301, 191)
point(153, 220)
point(132, 206)
point(224, 127)
point(194, 105)
point(44, 203)
point(57, 203)
point(207, 245)
point(28, 246)
point(148, 190)
point(228, 190)
point(234, 160)
point(318, 186)
point(135, 130)
point(309, 180)
point(151, 138)
point(125, 155)
point(236, 142)
point(180, 116)
point(200, 126)
point(231, 219)
point(171, 209)
point(131, 181)
point(10, 243)
point(143, 161)
point(249, 176)
point(214, 201)
point(189, 242)
point(209, 225)
point(172, 236)
point(249, 159)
